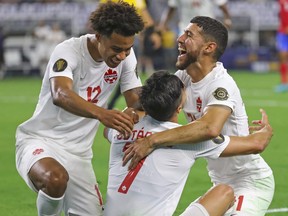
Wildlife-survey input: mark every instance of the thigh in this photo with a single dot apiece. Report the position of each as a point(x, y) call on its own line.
point(253, 198)
point(82, 195)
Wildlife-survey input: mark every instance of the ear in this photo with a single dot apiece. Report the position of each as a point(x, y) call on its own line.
point(210, 47)
point(98, 37)
point(179, 108)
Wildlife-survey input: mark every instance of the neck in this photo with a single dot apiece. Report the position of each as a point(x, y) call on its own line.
point(197, 71)
point(93, 49)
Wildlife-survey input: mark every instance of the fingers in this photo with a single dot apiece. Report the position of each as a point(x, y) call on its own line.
point(254, 128)
point(128, 154)
point(264, 119)
point(122, 123)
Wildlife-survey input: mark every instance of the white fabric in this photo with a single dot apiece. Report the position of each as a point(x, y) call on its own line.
point(225, 169)
point(241, 172)
point(73, 133)
point(195, 209)
point(158, 185)
point(252, 196)
point(82, 195)
point(49, 206)
point(190, 8)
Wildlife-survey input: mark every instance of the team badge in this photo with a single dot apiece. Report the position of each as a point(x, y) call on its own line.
point(219, 139)
point(60, 65)
point(110, 76)
point(199, 104)
point(221, 94)
point(38, 151)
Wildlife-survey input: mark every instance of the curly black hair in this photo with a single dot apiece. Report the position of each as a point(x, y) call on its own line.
point(119, 17)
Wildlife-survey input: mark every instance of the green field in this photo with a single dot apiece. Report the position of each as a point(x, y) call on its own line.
point(18, 97)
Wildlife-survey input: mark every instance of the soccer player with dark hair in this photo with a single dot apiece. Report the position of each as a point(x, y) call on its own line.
point(154, 187)
point(54, 147)
point(214, 106)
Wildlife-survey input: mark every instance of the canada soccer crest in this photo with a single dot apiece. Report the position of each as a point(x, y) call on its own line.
point(110, 76)
point(199, 104)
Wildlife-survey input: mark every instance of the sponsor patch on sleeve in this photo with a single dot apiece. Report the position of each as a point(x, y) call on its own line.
point(221, 94)
point(219, 139)
point(60, 65)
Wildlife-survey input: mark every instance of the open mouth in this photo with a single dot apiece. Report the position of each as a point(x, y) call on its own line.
point(181, 51)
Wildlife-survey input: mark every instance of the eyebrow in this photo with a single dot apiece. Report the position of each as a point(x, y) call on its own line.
point(120, 48)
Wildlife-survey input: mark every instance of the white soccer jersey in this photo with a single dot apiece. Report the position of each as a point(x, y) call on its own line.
point(190, 8)
point(219, 88)
point(93, 81)
point(154, 187)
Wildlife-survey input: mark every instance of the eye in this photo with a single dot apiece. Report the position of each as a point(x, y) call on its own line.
point(189, 34)
point(117, 50)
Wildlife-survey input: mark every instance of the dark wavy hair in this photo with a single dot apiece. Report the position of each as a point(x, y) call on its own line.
point(161, 95)
point(119, 17)
point(213, 30)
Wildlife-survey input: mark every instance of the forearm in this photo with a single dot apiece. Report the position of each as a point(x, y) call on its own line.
point(251, 144)
point(191, 133)
point(73, 103)
point(225, 11)
point(167, 16)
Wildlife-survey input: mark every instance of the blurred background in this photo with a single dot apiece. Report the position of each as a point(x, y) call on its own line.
point(29, 30)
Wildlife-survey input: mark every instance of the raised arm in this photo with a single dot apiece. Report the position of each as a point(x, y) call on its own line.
point(227, 18)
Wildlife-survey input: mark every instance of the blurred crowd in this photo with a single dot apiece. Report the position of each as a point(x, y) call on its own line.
point(156, 47)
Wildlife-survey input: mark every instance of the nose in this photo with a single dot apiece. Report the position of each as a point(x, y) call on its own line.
point(122, 55)
point(180, 38)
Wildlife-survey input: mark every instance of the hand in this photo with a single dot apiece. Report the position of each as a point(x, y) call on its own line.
point(133, 115)
point(259, 124)
point(137, 151)
point(117, 120)
point(263, 132)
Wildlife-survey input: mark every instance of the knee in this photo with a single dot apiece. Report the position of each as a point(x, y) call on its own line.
point(227, 191)
point(55, 182)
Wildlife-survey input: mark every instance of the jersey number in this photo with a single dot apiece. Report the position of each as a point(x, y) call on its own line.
point(95, 91)
point(240, 202)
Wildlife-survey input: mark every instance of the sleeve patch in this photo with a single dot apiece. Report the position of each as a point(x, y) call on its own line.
point(221, 94)
point(219, 139)
point(60, 65)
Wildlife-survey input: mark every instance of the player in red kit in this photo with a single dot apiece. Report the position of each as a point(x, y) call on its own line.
point(282, 45)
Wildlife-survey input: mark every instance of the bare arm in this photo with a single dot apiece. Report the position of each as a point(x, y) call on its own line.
point(207, 127)
point(166, 17)
point(254, 143)
point(64, 97)
point(227, 18)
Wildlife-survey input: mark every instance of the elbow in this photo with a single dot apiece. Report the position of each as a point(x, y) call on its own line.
point(212, 132)
point(57, 98)
point(259, 148)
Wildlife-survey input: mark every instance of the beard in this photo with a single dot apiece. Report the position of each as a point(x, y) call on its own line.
point(186, 60)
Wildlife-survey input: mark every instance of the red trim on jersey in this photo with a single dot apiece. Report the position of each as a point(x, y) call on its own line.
point(99, 195)
point(127, 182)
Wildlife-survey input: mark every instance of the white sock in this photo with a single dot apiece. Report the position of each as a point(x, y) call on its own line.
point(48, 206)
